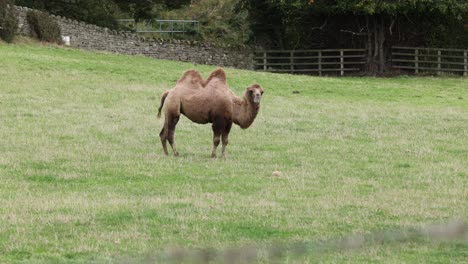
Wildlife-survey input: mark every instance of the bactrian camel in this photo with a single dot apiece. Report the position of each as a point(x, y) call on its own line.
point(208, 101)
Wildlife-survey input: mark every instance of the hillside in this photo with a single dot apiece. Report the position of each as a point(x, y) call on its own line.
point(84, 177)
point(220, 22)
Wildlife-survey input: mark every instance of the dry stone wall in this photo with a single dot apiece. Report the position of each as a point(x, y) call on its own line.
point(92, 37)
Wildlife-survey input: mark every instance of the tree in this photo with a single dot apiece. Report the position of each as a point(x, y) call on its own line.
point(147, 9)
point(8, 20)
point(381, 15)
point(288, 23)
point(138, 9)
point(273, 21)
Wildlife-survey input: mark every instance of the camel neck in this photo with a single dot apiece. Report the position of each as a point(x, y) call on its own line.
point(245, 112)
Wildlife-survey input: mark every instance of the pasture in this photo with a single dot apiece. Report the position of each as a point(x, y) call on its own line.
point(83, 176)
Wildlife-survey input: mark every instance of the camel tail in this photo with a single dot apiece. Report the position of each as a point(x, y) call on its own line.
point(163, 98)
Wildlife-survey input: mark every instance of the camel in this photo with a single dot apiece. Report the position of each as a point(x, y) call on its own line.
point(208, 101)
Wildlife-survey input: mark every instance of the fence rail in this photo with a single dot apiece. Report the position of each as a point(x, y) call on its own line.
point(344, 61)
point(430, 60)
point(310, 61)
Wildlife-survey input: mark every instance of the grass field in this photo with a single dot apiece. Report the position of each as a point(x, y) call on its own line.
point(83, 176)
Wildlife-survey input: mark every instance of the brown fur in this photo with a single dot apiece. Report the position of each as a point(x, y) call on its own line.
point(216, 74)
point(191, 76)
point(209, 101)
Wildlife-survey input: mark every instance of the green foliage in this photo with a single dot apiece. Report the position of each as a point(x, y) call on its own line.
point(99, 12)
point(174, 4)
point(289, 24)
point(105, 12)
point(396, 7)
point(435, 30)
point(148, 9)
point(138, 9)
point(8, 20)
point(220, 20)
point(44, 27)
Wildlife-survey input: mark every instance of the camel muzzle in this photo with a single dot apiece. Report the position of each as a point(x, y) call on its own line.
point(257, 99)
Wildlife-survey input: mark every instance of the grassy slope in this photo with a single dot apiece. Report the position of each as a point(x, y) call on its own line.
point(83, 176)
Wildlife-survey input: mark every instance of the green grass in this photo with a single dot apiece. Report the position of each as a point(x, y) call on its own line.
point(83, 176)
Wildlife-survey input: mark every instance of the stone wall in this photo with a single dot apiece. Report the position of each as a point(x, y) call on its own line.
point(92, 37)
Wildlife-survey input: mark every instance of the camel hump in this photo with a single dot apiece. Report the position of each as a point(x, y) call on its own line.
point(191, 75)
point(219, 74)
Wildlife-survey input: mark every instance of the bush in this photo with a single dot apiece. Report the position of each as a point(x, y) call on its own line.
point(8, 20)
point(98, 12)
point(44, 27)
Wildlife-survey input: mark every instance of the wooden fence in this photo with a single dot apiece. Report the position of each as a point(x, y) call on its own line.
point(328, 61)
point(432, 60)
point(342, 61)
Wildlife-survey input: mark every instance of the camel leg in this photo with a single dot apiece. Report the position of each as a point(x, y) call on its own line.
point(225, 136)
point(218, 127)
point(163, 136)
point(171, 127)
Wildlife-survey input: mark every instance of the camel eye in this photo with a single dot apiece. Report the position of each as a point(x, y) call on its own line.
point(261, 92)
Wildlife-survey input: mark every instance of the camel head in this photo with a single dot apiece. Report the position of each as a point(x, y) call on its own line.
point(254, 93)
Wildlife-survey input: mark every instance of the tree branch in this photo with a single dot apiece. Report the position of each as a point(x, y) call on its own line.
point(354, 33)
point(322, 26)
point(391, 25)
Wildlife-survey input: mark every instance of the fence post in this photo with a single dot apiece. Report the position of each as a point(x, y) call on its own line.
point(172, 28)
point(439, 59)
point(465, 66)
point(264, 61)
point(416, 63)
point(291, 60)
point(320, 62)
point(341, 62)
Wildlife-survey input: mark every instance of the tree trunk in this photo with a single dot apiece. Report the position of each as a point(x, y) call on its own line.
point(375, 44)
point(376, 38)
point(369, 41)
point(279, 36)
point(381, 45)
point(371, 47)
